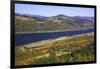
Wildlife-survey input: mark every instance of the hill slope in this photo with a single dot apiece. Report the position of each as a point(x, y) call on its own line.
point(36, 23)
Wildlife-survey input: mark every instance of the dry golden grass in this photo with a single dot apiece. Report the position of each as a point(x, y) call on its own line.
point(63, 51)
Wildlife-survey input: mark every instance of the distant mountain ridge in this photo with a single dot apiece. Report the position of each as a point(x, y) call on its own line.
point(33, 16)
point(34, 23)
point(58, 16)
point(86, 18)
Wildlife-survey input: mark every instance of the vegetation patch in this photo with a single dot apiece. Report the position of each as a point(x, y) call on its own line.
point(78, 49)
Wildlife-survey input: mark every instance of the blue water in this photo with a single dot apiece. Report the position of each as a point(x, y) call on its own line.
point(21, 39)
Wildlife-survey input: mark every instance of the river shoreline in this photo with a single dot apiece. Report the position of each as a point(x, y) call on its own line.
point(43, 42)
point(51, 31)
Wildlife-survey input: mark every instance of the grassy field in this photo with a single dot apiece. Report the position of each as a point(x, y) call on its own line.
point(78, 49)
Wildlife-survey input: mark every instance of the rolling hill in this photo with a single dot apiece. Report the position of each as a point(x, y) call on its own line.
point(37, 23)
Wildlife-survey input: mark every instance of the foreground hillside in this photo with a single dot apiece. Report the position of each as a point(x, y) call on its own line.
point(32, 23)
point(76, 49)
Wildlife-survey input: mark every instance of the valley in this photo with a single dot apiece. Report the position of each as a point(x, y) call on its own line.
point(54, 39)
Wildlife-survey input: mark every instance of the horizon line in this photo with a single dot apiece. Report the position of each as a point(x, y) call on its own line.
point(52, 15)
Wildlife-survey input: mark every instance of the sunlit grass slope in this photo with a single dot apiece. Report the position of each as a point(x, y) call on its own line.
point(78, 49)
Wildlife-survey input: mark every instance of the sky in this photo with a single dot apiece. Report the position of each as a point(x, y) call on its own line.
point(45, 10)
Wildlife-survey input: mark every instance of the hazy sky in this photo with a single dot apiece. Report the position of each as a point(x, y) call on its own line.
point(45, 10)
